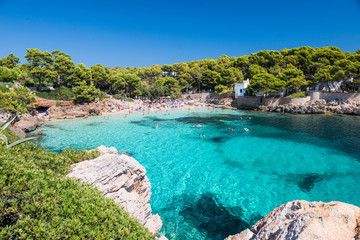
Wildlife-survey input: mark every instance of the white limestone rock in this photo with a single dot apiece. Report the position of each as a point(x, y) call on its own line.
point(303, 220)
point(122, 178)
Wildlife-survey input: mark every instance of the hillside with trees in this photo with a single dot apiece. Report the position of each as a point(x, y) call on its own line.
point(268, 71)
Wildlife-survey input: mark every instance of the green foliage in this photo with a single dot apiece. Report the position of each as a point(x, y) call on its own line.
point(41, 66)
point(39, 202)
point(118, 96)
point(63, 65)
point(228, 77)
point(81, 73)
point(84, 93)
point(10, 61)
point(323, 75)
point(293, 77)
point(254, 70)
point(220, 89)
point(8, 75)
point(297, 95)
point(101, 95)
point(118, 82)
point(61, 93)
point(100, 76)
point(209, 79)
point(20, 99)
point(133, 83)
point(297, 67)
point(266, 83)
point(4, 138)
point(5, 87)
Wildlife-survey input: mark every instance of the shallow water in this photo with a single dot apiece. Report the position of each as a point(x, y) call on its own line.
point(213, 186)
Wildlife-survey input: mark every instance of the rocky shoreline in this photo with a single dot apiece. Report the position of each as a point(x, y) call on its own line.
point(304, 220)
point(123, 179)
point(315, 107)
point(66, 110)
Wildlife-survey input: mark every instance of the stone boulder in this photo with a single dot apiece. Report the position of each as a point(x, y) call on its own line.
point(28, 123)
point(72, 111)
point(42, 102)
point(304, 220)
point(4, 116)
point(66, 103)
point(18, 132)
point(121, 178)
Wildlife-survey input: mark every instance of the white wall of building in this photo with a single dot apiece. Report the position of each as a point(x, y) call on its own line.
point(241, 88)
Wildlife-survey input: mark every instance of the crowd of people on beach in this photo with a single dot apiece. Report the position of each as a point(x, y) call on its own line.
point(155, 105)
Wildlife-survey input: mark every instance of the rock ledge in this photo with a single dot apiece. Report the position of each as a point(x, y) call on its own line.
point(306, 220)
point(122, 178)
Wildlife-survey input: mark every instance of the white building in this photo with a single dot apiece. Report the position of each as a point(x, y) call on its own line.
point(241, 89)
point(334, 86)
point(171, 74)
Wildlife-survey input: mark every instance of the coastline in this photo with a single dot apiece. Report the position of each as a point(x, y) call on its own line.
point(122, 112)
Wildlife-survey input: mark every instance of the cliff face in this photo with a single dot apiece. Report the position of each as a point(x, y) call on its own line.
point(123, 179)
point(303, 220)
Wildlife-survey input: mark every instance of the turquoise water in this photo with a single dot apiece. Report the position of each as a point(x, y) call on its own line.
point(213, 186)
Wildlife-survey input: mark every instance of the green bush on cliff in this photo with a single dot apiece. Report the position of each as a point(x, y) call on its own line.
point(61, 93)
point(39, 202)
point(18, 99)
point(297, 95)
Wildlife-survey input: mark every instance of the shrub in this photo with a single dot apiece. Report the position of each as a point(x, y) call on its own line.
point(220, 89)
point(20, 99)
point(61, 93)
point(118, 96)
point(39, 202)
point(101, 95)
point(84, 93)
point(297, 95)
point(8, 75)
point(6, 85)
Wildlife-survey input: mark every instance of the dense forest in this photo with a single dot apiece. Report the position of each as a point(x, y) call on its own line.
point(268, 71)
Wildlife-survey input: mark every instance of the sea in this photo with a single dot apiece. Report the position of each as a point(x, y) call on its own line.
point(210, 177)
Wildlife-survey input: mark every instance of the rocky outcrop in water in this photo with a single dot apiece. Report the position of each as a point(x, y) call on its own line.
point(121, 178)
point(315, 107)
point(304, 220)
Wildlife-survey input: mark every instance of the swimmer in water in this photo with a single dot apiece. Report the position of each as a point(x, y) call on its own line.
point(156, 126)
point(246, 129)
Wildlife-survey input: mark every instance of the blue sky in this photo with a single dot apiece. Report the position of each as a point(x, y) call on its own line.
point(141, 33)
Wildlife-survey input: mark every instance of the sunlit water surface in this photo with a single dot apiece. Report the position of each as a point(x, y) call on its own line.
point(213, 186)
